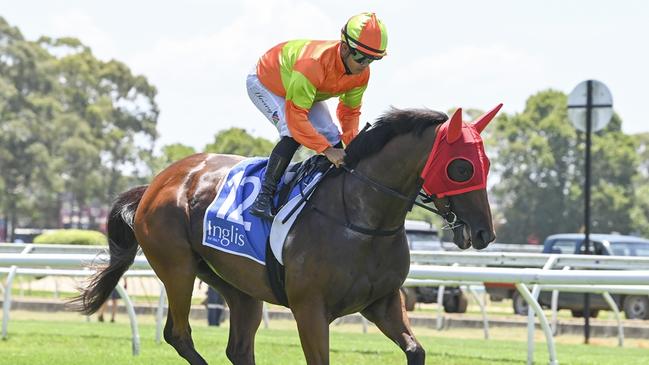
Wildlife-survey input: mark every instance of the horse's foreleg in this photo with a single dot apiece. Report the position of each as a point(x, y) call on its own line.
point(313, 327)
point(389, 315)
point(245, 316)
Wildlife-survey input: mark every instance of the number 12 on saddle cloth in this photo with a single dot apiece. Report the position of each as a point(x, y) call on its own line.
point(228, 226)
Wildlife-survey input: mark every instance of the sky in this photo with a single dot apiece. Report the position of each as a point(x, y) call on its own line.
point(441, 54)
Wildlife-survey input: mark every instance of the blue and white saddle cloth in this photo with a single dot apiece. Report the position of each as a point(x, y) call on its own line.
point(228, 225)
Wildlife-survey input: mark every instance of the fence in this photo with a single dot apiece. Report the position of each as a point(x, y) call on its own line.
point(578, 280)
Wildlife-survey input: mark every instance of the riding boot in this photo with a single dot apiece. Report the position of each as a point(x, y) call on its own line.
point(263, 206)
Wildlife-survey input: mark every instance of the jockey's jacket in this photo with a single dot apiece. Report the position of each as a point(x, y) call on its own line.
point(305, 72)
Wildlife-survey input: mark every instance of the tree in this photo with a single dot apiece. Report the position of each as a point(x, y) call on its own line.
point(237, 141)
point(170, 154)
point(640, 211)
point(118, 108)
point(614, 168)
point(68, 122)
point(27, 161)
point(539, 164)
point(642, 143)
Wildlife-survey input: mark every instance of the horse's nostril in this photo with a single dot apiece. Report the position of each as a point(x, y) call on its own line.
point(486, 236)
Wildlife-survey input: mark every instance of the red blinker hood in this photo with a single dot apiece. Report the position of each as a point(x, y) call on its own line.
point(457, 140)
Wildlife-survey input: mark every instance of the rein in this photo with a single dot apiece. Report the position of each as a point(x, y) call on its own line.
point(448, 215)
point(347, 224)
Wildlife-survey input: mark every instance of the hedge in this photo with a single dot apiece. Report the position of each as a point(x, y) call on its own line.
point(72, 237)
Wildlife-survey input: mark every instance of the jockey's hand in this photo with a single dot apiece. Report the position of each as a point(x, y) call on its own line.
point(335, 155)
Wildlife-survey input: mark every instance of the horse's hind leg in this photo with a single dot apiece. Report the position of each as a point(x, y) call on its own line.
point(245, 316)
point(390, 317)
point(175, 265)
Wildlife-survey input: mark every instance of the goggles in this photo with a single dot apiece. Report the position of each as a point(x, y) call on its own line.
point(362, 58)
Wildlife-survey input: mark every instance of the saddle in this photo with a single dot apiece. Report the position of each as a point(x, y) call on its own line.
point(228, 225)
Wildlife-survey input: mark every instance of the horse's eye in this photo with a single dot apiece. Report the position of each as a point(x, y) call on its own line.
point(460, 170)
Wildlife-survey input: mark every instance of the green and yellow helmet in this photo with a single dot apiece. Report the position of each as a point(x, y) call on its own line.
point(366, 34)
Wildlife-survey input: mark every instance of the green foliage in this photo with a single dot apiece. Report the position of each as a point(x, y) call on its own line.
point(69, 123)
point(642, 144)
point(640, 211)
point(170, 154)
point(237, 141)
point(177, 151)
point(540, 167)
point(72, 237)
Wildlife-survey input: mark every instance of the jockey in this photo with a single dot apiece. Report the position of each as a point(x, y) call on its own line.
point(291, 82)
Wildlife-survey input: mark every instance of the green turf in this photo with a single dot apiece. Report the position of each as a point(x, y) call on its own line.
point(18, 294)
point(67, 341)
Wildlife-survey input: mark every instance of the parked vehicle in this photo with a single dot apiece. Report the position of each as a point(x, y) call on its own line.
point(27, 235)
point(422, 236)
point(635, 306)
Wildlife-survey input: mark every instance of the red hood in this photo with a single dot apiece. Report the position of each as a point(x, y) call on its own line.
point(457, 140)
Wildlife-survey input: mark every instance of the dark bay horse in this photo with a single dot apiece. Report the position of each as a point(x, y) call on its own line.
point(331, 269)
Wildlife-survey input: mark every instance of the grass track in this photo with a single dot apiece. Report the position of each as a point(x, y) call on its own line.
point(64, 339)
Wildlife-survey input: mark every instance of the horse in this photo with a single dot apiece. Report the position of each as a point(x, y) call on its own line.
point(349, 254)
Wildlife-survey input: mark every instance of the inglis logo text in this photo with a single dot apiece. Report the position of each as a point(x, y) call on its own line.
point(226, 236)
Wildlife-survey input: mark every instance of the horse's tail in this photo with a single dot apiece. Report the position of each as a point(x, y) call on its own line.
point(122, 246)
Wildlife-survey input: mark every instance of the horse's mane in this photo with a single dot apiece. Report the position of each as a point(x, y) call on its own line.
point(392, 123)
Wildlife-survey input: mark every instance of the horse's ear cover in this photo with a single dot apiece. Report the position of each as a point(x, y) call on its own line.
point(485, 118)
point(457, 140)
point(455, 126)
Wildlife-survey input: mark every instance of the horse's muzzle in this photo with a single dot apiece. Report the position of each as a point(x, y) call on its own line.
point(482, 239)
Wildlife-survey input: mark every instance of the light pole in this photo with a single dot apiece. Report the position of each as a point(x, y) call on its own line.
point(590, 107)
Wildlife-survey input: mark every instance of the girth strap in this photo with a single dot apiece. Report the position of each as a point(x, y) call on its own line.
point(276, 276)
